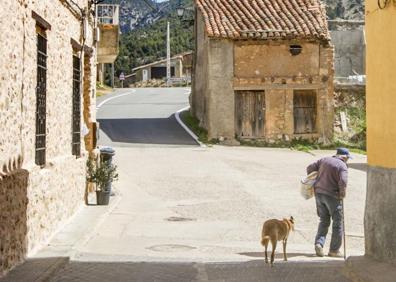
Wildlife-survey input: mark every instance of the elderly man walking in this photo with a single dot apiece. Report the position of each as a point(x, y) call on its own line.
point(330, 188)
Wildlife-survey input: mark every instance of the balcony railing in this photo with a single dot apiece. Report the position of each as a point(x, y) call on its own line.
point(108, 14)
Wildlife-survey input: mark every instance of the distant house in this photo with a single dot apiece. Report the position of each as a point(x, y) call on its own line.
point(181, 66)
point(263, 70)
point(109, 33)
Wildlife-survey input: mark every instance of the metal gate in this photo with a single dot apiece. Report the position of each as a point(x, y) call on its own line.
point(250, 114)
point(76, 138)
point(41, 95)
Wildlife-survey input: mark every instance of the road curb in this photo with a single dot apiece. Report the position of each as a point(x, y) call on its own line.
point(186, 128)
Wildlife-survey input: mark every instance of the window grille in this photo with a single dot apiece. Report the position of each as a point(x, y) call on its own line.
point(41, 93)
point(76, 138)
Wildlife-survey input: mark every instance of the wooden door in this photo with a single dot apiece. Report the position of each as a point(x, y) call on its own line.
point(305, 111)
point(250, 114)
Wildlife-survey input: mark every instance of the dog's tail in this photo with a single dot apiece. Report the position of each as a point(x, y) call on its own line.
point(265, 240)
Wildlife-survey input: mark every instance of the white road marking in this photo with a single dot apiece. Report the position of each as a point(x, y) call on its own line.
point(192, 134)
point(114, 97)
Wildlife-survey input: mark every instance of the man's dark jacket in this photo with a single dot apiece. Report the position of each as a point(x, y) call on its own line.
point(332, 176)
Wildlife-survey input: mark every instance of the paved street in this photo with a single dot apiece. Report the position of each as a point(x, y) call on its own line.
point(198, 204)
point(186, 213)
point(143, 116)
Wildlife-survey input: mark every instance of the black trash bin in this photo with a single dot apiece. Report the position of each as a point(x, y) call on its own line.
point(106, 156)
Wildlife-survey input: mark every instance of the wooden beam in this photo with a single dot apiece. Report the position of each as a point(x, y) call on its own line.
point(40, 21)
point(75, 44)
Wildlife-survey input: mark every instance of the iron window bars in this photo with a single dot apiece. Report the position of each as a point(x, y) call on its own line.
point(76, 118)
point(41, 95)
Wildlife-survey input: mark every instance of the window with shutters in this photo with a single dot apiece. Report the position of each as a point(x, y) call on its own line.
point(76, 118)
point(41, 97)
point(305, 111)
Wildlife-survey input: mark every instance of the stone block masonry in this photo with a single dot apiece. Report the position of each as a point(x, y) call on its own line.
point(13, 218)
point(37, 200)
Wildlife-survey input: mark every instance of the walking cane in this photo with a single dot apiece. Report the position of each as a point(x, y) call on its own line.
point(343, 227)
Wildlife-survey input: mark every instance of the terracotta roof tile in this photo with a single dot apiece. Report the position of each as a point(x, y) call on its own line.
point(266, 19)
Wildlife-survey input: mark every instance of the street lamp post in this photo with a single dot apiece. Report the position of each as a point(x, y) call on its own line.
point(182, 12)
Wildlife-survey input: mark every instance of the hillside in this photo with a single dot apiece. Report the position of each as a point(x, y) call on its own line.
point(135, 14)
point(345, 9)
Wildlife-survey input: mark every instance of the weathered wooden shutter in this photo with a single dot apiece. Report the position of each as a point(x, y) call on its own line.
point(250, 114)
point(305, 111)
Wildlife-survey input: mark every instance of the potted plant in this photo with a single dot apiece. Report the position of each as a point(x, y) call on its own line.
point(103, 175)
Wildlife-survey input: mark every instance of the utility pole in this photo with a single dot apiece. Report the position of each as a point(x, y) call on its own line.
point(168, 61)
point(112, 75)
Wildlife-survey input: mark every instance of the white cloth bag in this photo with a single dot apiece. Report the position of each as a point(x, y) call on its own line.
point(307, 183)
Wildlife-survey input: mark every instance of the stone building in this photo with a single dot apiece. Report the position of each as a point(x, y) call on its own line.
point(263, 70)
point(47, 106)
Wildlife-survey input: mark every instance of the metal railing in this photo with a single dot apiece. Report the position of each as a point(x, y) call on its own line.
point(76, 123)
point(41, 100)
point(108, 14)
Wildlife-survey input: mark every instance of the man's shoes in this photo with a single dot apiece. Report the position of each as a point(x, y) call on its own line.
point(319, 250)
point(335, 254)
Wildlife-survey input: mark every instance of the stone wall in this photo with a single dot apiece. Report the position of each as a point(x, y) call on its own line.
point(13, 218)
point(46, 196)
point(200, 79)
point(220, 99)
point(269, 66)
point(350, 52)
point(279, 114)
point(255, 59)
point(89, 100)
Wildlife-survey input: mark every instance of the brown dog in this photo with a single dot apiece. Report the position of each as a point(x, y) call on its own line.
point(276, 230)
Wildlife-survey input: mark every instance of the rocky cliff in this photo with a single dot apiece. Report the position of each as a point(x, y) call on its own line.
point(345, 9)
point(136, 14)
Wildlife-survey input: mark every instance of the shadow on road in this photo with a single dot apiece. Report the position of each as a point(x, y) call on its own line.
point(277, 255)
point(164, 131)
point(59, 269)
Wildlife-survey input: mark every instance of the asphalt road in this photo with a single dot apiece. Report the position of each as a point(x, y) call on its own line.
point(130, 117)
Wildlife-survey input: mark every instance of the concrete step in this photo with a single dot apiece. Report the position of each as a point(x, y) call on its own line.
point(365, 269)
point(38, 270)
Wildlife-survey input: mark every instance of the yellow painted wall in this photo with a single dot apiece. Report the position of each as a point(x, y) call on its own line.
point(381, 84)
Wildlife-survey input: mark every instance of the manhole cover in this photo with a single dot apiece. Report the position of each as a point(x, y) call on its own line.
point(175, 218)
point(171, 248)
